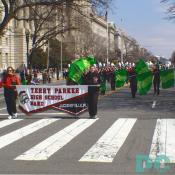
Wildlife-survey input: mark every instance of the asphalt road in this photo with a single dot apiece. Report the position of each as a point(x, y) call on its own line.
point(124, 129)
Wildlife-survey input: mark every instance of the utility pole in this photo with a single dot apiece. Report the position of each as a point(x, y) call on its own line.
point(107, 49)
point(27, 44)
point(48, 55)
point(61, 48)
point(61, 55)
point(107, 32)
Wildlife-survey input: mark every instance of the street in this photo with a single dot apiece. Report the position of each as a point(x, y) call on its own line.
point(54, 142)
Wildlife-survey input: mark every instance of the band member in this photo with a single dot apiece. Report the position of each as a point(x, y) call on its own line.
point(156, 80)
point(112, 78)
point(102, 82)
point(93, 80)
point(133, 81)
point(8, 82)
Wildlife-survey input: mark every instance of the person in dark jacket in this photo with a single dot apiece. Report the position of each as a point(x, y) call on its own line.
point(9, 82)
point(93, 80)
point(156, 80)
point(102, 75)
point(133, 81)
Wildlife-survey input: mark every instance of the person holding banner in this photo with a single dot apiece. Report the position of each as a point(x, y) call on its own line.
point(93, 80)
point(9, 82)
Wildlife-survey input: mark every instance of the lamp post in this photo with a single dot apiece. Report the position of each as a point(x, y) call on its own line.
point(61, 55)
point(118, 50)
point(27, 33)
point(48, 55)
point(107, 49)
point(61, 44)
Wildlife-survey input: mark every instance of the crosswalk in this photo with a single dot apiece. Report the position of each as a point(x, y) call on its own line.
point(104, 150)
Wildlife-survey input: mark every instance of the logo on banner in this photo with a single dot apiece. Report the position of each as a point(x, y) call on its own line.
point(74, 106)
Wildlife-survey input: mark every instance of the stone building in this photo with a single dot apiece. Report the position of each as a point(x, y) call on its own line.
point(92, 35)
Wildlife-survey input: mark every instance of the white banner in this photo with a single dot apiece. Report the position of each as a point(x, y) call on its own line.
point(34, 98)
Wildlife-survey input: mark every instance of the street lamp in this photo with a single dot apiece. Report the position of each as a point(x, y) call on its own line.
point(118, 50)
point(48, 55)
point(27, 33)
point(107, 50)
point(61, 44)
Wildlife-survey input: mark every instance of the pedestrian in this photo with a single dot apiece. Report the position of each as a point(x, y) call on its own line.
point(9, 82)
point(23, 78)
point(93, 80)
point(133, 81)
point(49, 77)
point(156, 80)
point(44, 76)
point(35, 79)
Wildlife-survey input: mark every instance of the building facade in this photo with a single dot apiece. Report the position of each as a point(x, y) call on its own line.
point(92, 35)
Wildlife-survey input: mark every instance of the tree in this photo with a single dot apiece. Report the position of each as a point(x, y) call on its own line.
point(47, 17)
point(171, 9)
point(9, 9)
point(55, 54)
point(47, 25)
point(133, 52)
point(40, 59)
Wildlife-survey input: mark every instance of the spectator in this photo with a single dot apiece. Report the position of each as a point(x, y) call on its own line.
point(9, 82)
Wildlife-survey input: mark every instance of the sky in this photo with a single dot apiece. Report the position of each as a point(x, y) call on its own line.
point(145, 21)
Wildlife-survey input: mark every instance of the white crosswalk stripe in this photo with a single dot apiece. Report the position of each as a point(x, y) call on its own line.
point(103, 150)
point(109, 144)
point(7, 122)
point(48, 147)
point(20, 133)
point(163, 142)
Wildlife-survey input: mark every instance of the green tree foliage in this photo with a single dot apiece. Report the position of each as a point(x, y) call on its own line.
point(39, 59)
point(55, 54)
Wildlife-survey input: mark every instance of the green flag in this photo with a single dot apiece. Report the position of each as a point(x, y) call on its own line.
point(120, 77)
point(78, 67)
point(167, 78)
point(144, 77)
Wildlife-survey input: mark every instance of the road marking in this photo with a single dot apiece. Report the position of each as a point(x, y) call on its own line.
point(163, 142)
point(5, 123)
point(2, 109)
point(154, 104)
point(48, 147)
point(20, 133)
point(106, 148)
point(22, 114)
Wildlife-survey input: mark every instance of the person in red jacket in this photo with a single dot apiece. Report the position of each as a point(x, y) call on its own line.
point(9, 82)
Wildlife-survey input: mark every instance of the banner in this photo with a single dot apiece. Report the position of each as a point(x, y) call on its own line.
point(71, 99)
